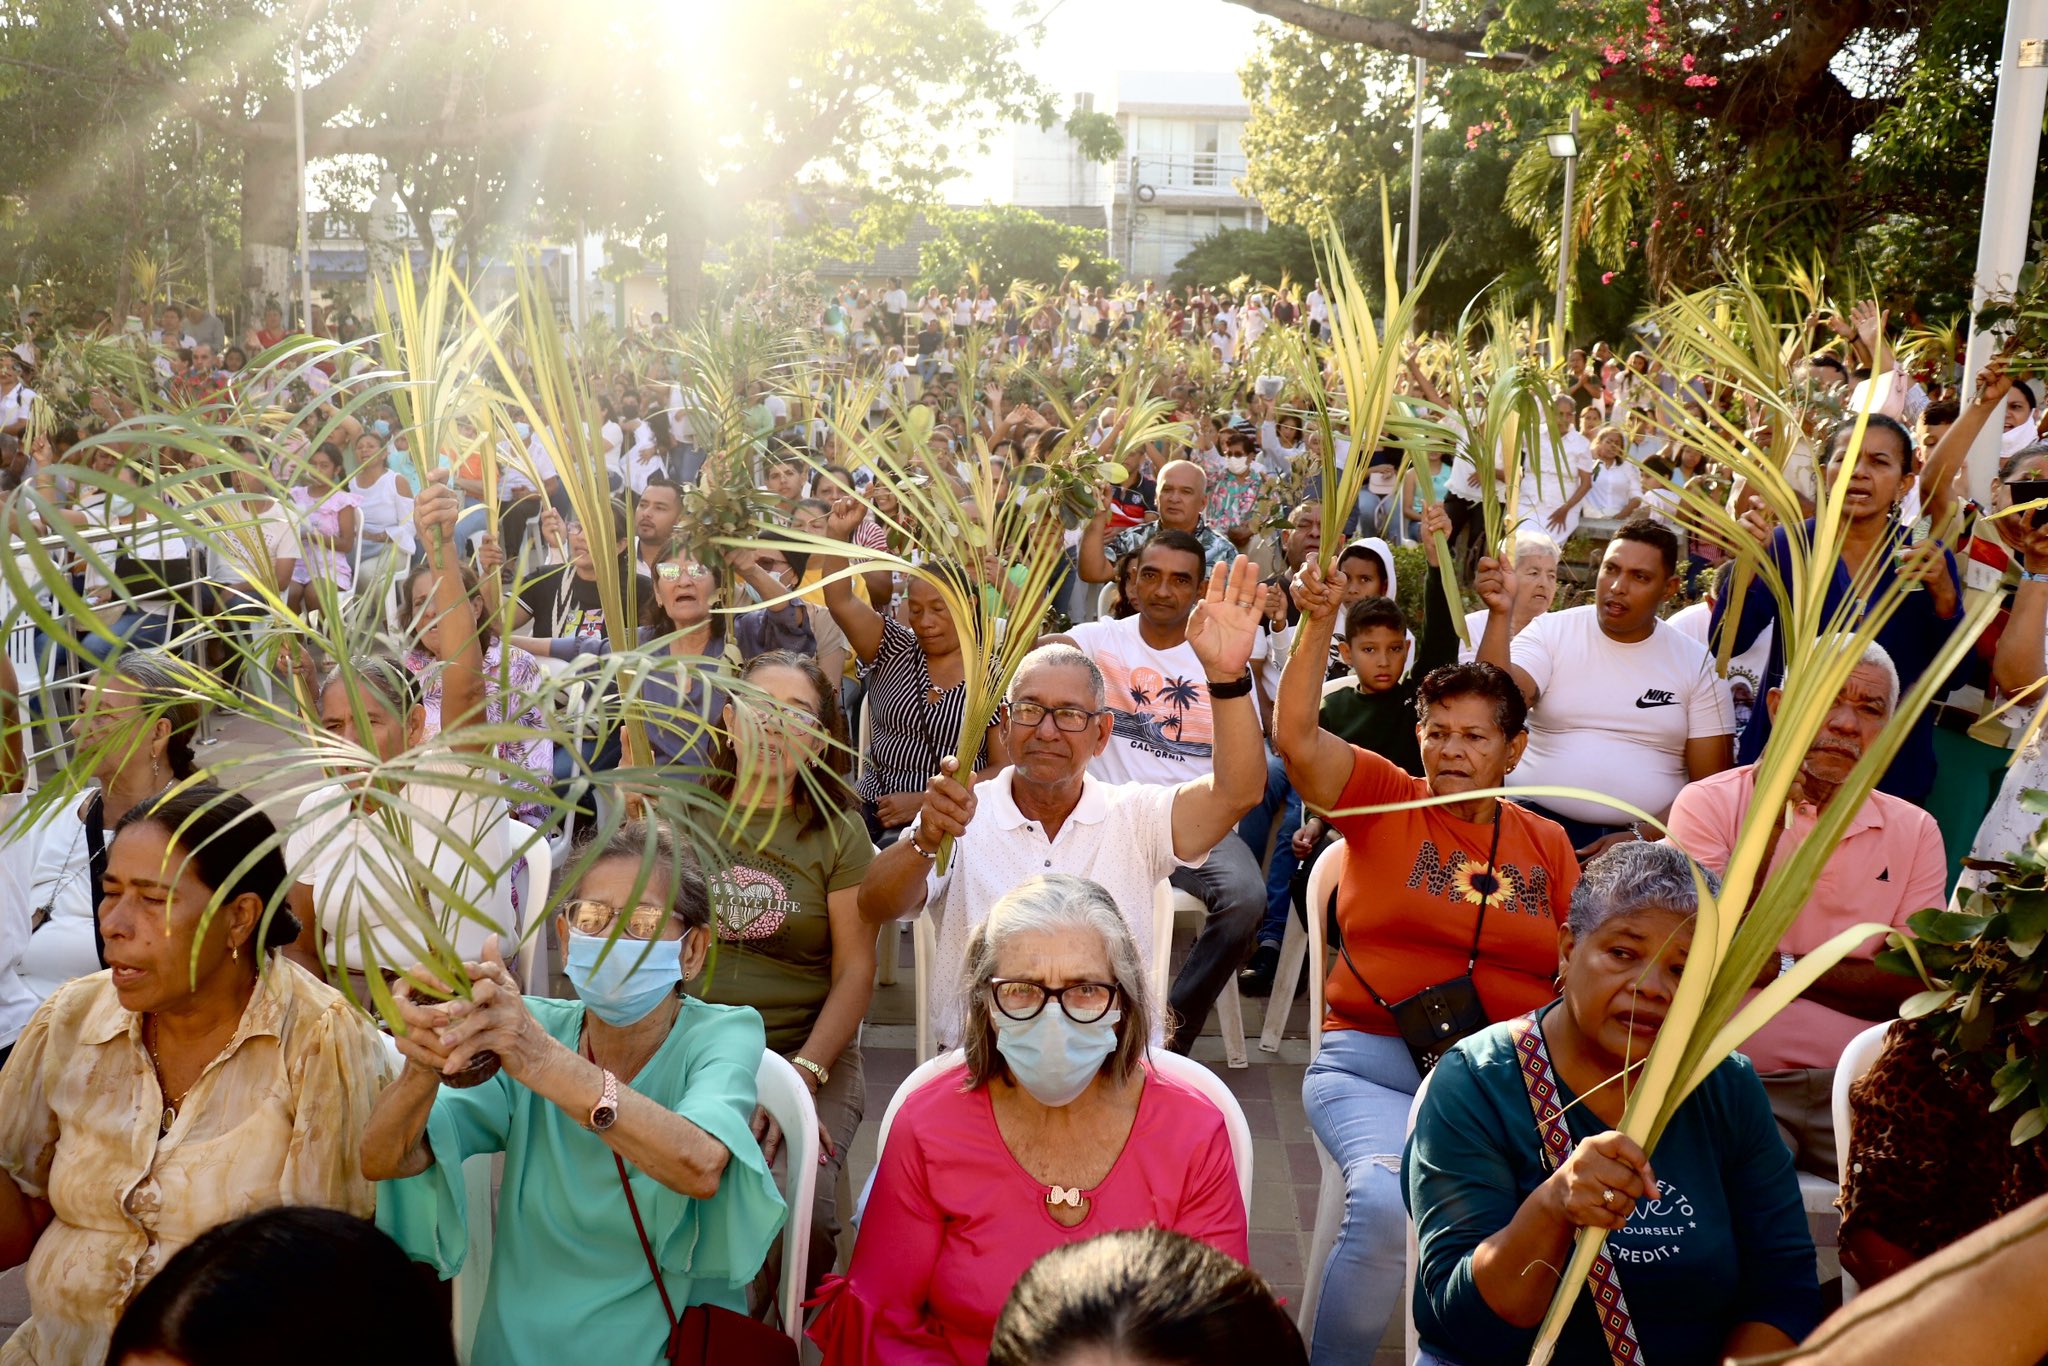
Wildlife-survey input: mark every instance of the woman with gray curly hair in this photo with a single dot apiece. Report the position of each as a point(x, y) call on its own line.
point(1052, 1128)
point(1516, 1148)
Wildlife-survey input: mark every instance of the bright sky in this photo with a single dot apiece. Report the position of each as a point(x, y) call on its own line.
point(1088, 41)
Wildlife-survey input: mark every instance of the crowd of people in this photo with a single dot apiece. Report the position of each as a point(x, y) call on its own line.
point(225, 1050)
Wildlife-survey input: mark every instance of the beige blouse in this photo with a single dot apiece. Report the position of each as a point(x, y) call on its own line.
point(276, 1119)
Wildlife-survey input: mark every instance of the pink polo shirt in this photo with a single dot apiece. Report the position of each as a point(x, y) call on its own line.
point(1888, 865)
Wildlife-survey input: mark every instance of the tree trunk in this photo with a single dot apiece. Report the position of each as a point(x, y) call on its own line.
point(269, 226)
point(684, 260)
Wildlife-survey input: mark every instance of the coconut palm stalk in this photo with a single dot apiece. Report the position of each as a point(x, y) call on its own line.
point(1708, 1018)
point(1368, 365)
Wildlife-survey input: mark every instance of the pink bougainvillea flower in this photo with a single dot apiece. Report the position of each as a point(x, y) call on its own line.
point(1686, 61)
point(1699, 232)
point(1606, 277)
point(1656, 223)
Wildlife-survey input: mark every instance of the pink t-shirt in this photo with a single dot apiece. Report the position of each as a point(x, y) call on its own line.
point(954, 1221)
point(1888, 865)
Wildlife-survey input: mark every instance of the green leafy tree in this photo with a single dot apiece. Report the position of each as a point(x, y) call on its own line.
point(1736, 132)
point(664, 123)
point(1266, 256)
point(998, 244)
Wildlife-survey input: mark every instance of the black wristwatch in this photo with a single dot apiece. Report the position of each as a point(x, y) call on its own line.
point(1241, 686)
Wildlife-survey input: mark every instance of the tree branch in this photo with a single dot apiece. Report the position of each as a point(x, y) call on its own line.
point(1389, 35)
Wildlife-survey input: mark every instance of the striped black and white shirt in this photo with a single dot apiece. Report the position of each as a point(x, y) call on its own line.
point(909, 729)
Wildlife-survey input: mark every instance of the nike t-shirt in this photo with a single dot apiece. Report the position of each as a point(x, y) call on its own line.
point(1613, 718)
point(1160, 699)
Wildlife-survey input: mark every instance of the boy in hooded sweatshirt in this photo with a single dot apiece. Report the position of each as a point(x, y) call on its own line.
point(1386, 666)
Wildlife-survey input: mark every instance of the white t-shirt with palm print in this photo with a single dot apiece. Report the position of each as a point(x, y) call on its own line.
point(1161, 702)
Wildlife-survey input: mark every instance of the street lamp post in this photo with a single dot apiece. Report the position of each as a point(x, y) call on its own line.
point(299, 131)
point(1565, 147)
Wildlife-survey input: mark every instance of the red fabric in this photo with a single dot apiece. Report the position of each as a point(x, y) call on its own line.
point(954, 1220)
point(1407, 905)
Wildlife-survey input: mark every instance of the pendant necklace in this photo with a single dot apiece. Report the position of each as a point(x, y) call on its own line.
point(170, 1114)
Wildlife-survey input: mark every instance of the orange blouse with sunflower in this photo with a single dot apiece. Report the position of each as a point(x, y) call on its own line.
point(1410, 891)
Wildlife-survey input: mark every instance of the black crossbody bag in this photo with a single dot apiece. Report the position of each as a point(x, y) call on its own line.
point(1436, 1017)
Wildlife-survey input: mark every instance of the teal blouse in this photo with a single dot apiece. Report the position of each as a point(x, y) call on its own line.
point(1726, 1243)
point(568, 1281)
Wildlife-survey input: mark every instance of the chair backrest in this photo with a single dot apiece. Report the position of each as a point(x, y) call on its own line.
point(924, 951)
point(1158, 972)
point(1197, 1077)
point(1339, 683)
point(1857, 1059)
point(1322, 880)
point(782, 1093)
point(920, 1077)
point(523, 840)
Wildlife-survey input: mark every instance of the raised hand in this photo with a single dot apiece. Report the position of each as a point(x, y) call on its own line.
point(949, 804)
point(846, 516)
point(1495, 582)
point(1867, 320)
point(1315, 597)
point(1225, 623)
point(1993, 383)
point(435, 511)
point(1435, 520)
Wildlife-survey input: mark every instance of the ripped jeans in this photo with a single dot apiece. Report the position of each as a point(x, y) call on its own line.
point(1358, 1093)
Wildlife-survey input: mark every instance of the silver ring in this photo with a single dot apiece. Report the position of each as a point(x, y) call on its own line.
point(1607, 1197)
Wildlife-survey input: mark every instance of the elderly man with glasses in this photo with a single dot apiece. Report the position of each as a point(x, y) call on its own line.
point(1046, 814)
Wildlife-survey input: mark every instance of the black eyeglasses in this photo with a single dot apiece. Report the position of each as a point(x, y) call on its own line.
point(1083, 1002)
point(1070, 719)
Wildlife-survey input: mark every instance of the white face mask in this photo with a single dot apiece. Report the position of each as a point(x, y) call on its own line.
point(1235, 464)
point(2018, 439)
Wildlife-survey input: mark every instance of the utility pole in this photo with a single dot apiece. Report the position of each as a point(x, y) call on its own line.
point(1415, 172)
point(1569, 149)
point(2008, 196)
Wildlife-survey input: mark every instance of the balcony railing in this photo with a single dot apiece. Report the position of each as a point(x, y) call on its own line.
point(1181, 171)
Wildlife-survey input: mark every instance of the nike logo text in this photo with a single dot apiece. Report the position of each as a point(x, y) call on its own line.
point(1656, 697)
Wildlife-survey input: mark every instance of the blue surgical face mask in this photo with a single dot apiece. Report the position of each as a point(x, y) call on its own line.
point(381, 427)
point(634, 978)
point(1050, 1055)
point(524, 429)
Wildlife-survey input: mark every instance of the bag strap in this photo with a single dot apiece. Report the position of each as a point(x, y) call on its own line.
point(1492, 858)
point(1555, 1142)
point(645, 1246)
point(96, 861)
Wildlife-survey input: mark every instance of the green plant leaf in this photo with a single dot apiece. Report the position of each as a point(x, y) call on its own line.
point(1926, 1003)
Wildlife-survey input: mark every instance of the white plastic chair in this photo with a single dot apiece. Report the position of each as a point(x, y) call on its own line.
point(1330, 1193)
point(781, 1093)
point(1294, 952)
point(1168, 904)
point(524, 840)
point(924, 951)
point(1187, 1071)
point(1857, 1059)
point(1198, 1077)
point(787, 1100)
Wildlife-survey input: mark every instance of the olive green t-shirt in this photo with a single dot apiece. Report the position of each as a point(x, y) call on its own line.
point(774, 947)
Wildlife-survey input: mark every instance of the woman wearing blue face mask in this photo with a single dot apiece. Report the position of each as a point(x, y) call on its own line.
point(634, 1086)
point(1052, 1130)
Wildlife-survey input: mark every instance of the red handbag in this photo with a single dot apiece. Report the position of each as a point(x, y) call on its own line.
point(707, 1335)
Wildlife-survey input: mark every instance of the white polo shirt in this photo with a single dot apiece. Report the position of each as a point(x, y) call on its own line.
point(1118, 834)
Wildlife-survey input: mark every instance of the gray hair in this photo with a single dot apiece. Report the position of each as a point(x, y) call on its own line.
point(1529, 541)
point(1874, 656)
point(164, 683)
point(1064, 657)
point(1632, 877)
point(390, 684)
point(1053, 903)
point(664, 861)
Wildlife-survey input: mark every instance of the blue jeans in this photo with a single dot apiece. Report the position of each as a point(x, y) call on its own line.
point(135, 631)
point(1358, 1093)
point(1282, 804)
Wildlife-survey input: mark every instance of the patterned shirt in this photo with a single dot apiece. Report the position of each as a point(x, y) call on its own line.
point(276, 1119)
point(1216, 547)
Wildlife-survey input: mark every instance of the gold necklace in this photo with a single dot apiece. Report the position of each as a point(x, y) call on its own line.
point(170, 1114)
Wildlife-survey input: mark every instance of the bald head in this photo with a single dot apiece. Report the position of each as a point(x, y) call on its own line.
point(1183, 493)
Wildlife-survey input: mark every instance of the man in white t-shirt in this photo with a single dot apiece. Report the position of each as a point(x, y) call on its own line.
point(1318, 312)
point(1620, 703)
point(894, 305)
point(1163, 730)
point(1048, 813)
